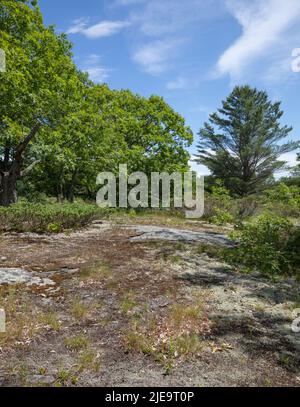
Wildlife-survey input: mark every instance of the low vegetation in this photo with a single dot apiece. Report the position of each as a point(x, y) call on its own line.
point(179, 333)
point(269, 244)
point(47, 218)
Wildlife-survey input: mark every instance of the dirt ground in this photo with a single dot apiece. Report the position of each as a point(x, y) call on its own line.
point(125, 312)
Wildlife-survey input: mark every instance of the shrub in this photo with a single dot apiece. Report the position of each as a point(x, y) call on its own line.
point(248, 207)
point(285, 194)
point(219, 205)
point(221, 217)
point(53, 218)
point(283, 200)
point(268, 245)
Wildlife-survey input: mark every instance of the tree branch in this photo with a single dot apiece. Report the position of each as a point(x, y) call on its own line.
point(22, 146)
point(18, 157)
point(29, 168)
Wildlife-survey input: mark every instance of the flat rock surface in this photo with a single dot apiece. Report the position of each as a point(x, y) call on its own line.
point(178, 235)
point(111, 278)
point(13, 276)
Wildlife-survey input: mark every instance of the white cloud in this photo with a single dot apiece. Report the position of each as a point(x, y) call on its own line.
point(201, 109)
point(162, 20)
point(78, 26)
point(178, 83)
point(172, 16)
point(264, 25)
point(129, 2)
point(198, 168)
point(99, 30)
point(290, 158)
point(155, 56)
point(97, 72)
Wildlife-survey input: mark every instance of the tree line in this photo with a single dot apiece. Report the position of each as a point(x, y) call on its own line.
point(58, 129)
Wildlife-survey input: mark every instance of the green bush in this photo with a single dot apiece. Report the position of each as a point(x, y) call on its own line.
point(219, 205)
point(53, 218)
point(221, 217)
point(283, 200)
point(289, 195)
point(270, 245)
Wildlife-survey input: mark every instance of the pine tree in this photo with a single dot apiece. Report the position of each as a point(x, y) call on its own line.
point(240, 143)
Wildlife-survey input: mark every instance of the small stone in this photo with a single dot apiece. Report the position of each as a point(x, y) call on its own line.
point(47, 301)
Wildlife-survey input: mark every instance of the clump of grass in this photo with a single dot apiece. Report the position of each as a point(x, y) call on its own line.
point(137, 340)
point(78, 309)
point(99, 271)
point(21, 370)
point(42, 371)
point(64, 377)
point(51, 319)
point(21, 317)
point(89, 360)
point(176, 334)
point(210, 250)
point(288, 361)
point(77, 342)
point(127, 303)
point(175, 259)
point(189, 344)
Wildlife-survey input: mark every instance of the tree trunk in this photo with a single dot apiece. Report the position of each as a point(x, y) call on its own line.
point(60, 193)
point(8, 189)
point(70, 192)
point(11, 172)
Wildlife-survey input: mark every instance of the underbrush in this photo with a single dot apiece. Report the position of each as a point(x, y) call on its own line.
point(221, 208)
point(51, 218)
point(268, 244)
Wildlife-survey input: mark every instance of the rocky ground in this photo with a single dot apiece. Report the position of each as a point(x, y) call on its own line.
point(140, 305)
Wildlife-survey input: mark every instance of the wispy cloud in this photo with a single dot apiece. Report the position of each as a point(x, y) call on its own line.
point(78, 26)
point(264, 24)
point(205, 110)
point(178, 83)
point(161, 21)
point(129, 2)
point(97, 72)
point(101, 29)
point(155, 57)
point(173, 16)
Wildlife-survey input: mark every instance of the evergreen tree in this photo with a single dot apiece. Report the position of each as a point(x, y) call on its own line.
point(240, 144)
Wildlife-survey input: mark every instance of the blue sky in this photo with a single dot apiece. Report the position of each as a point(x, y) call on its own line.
point(191, 52)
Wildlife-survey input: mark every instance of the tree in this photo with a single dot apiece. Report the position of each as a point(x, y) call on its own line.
point(112, 128)
point(40, 86)
point(155, 136)
point(240, 143)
